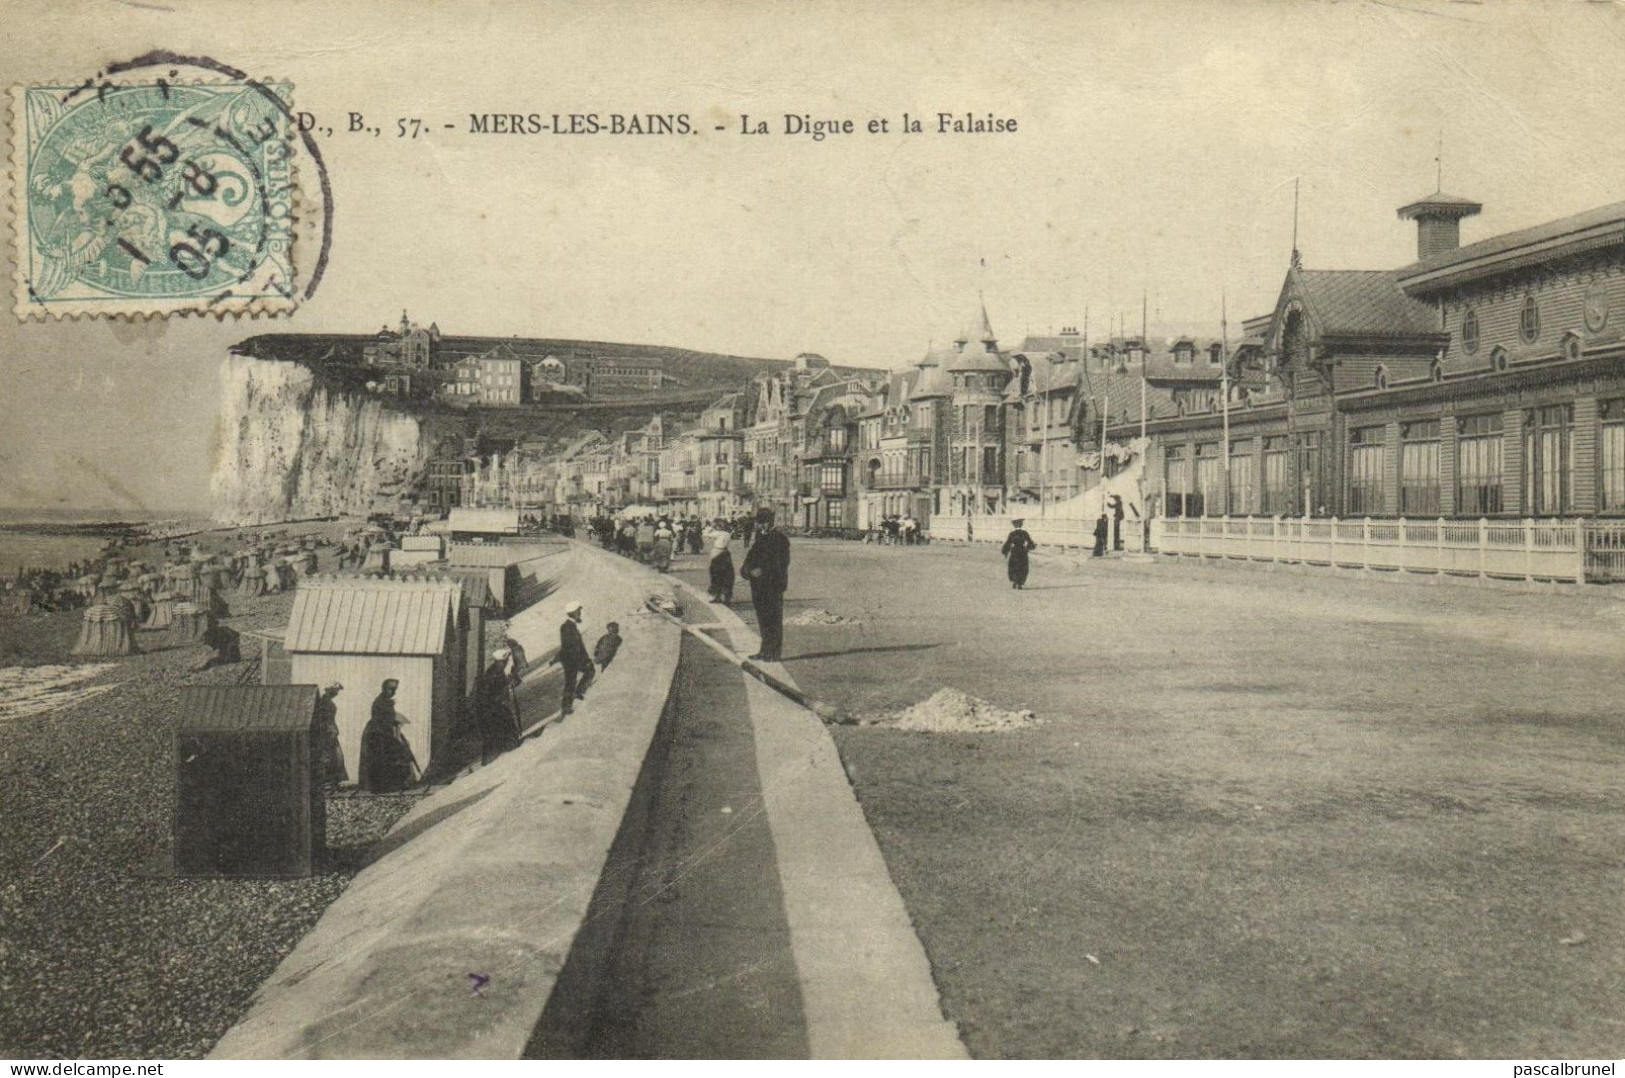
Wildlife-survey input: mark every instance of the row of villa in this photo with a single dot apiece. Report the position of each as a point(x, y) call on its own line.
point(1481, 381)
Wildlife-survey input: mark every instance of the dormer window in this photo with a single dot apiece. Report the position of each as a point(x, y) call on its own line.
point(1184, 353)
point(1215, 354)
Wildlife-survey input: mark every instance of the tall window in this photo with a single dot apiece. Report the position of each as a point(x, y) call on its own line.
point(1209, 480)
point(1367, 458)
point(835, 439)
point(990, 464)
point(1548, 447)
point(1478, 465)
point(1241, 478)
point(1277, 476)
point(832, 479)
point(1611, 452)
point(1177, 469)
point(1419, 469)
point(1312, 474)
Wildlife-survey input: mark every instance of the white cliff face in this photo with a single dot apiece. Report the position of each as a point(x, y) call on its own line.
point(289, 448)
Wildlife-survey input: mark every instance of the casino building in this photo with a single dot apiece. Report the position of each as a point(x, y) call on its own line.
point(1478, 381)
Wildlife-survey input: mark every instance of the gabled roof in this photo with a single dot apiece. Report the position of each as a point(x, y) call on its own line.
point(1036, 343)
point(247, 707)
point(476, 584)
point(1121, 392)
point(899, 386)
point(503, 351)
point(359, 616)
point(1363, 303)
point(852, 393)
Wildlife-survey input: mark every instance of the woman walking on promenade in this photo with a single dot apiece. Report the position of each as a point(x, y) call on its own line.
point(662, 549)
point(722, 567)
point(1016, 546)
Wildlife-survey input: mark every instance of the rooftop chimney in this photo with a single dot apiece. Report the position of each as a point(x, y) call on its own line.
point(1438, 223)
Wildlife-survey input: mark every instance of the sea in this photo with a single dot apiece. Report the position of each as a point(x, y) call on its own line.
point(26, 541)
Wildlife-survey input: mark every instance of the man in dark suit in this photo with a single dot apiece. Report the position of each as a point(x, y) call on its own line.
point(574, 658)
point(767, 567)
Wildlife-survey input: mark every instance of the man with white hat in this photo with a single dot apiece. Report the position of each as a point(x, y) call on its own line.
point(496, 708)
point(573, 656)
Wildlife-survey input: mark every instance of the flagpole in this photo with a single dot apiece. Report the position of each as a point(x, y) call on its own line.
point(1224, 390)
point(1083, 375)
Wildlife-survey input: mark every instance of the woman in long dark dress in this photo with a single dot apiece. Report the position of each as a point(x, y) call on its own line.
point(387, 763)
point(499, 724)
point(1016, 546)
point(722, 570)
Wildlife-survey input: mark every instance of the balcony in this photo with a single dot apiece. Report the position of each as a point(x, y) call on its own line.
point(895, 481)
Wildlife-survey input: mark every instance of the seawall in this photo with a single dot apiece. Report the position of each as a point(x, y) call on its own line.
point(451, 943)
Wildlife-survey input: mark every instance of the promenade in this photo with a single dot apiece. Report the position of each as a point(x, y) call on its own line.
point(1272, 813)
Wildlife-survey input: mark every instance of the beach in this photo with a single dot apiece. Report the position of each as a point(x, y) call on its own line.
point(105, 951)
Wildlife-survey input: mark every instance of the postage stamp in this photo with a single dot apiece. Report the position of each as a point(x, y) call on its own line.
point(153, 198)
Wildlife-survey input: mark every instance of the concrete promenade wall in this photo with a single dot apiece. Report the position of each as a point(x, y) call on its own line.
point(493, 875)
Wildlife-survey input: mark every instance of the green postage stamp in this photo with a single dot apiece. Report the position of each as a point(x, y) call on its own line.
point(153, 198)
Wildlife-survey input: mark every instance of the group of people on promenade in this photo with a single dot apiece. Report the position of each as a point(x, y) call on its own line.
point(654, 540)
point(894, 530)
point(651, 539)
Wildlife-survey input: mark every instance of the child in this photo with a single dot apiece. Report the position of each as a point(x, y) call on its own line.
point(603, 652)
point(722, 570)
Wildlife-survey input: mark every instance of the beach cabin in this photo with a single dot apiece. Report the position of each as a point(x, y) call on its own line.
point(495, 563)
point(482, 525)
point(248, 784)
point(417, 550)
point(360, 631)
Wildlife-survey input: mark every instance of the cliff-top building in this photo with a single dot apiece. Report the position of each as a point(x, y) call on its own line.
point(408, 345)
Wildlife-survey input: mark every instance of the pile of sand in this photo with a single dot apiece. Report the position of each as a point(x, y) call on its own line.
point(819, 616)
point(949, 711)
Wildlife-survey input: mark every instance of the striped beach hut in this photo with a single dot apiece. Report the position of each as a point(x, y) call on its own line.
point(359, 631)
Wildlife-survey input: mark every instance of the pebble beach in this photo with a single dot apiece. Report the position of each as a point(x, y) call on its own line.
point(103, 951)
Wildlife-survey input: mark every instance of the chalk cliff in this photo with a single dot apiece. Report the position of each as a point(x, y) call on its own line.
point(291, 446)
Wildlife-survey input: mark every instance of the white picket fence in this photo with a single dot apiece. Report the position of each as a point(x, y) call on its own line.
point(1046, 531)
point(1507, 549)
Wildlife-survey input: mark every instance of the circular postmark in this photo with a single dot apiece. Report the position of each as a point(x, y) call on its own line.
point(167, 183)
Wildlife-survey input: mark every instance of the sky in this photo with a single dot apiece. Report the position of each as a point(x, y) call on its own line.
point(1155, 155)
